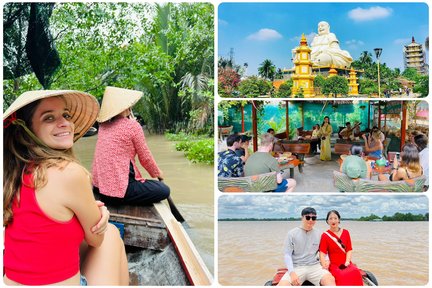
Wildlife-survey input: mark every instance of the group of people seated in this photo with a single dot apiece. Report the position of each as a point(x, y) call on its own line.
point(411, 162)
point(322, 258)
point(236, 161)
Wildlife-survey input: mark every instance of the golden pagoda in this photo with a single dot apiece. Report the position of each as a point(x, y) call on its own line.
point(302, 77)
point(353, 85)
point(332, 71)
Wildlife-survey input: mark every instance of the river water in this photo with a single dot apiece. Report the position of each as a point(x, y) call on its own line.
point(191, 188)
point(396, 253)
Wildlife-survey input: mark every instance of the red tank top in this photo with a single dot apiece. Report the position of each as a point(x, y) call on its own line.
point(40, 250)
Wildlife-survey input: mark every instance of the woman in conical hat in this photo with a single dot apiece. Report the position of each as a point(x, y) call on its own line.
point(48, 205)
point(120, 139)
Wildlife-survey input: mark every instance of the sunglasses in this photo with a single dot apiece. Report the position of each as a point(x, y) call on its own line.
point(340, 242)
point(311, 217)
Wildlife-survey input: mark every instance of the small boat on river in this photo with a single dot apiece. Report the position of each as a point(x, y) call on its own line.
point(368, 278)
point(159, 251)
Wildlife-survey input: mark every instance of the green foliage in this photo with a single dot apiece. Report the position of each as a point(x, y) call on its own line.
point(197, 149)
point(336, 85)
point(398, 217)
point(267, 70)
point(319, 81)
point(285, 89)
point(183, 145)
point(410, 74)
point(201, 152)
point(253, 87)
point(422, 85)
point(369, 218)
point(166, 51)
point(367, 86)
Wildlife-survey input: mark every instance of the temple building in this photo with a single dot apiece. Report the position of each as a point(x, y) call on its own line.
point(303, 78)
point(415, 57)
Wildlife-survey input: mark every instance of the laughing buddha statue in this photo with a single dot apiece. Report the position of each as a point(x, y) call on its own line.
point(326, 50)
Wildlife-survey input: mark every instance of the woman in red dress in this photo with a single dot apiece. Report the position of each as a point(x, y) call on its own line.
point(336, 242)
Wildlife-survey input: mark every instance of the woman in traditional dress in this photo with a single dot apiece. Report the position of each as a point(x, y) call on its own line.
point(336, 242)
point(325, 133)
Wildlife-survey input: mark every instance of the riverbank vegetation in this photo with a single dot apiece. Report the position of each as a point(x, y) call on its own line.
point(396, 217)
point(165, 50)
point(196, 148)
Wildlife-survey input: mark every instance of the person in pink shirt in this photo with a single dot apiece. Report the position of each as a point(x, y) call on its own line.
point(120, 139)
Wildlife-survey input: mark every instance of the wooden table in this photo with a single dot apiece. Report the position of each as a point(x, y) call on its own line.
point(291, 164)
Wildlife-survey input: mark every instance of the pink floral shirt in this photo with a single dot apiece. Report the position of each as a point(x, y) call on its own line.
point(117, 145)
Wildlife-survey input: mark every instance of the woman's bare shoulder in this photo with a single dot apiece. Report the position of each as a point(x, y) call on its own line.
point(69, 172)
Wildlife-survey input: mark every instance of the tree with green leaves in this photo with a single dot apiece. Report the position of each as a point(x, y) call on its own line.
point(166, 51)
point(285, 89)
point(335, 85)
point(267, 70)
point(254, 87)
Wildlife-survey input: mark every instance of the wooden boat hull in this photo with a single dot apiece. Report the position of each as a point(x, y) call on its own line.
point(159, 251)
point(368, 278)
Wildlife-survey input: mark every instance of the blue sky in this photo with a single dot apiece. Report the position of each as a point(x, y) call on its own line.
point(349, 206)
point(259, 31)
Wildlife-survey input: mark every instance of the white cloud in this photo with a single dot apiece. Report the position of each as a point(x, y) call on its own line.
point(372, 13)
point(309, 38)
point(354, 44)
point(222, 22)
point(402, 41)
point(264, 35)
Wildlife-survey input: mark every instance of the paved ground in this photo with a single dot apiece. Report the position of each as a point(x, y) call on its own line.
point(317, 175)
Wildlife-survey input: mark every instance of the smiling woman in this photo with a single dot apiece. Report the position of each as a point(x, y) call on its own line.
point(51, 123)
point(49, 210)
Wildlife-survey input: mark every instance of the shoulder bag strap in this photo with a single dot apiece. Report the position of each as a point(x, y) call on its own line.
point(335, 240)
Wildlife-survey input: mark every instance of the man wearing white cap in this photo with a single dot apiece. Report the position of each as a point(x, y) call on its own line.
point(115, 174)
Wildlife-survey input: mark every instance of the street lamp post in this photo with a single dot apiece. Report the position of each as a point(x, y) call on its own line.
point(378, 54)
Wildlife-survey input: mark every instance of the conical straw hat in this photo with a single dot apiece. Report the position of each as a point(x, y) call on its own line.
point(116, 100)
point(83, 107)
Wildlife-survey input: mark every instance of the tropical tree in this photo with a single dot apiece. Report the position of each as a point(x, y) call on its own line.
point(335, 85)
point(285, 89)
point(254, 87)
point(279, 74)
point(166, 51)
point(267, 69)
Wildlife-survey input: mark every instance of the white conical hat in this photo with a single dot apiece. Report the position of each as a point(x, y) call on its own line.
point(116, 100)
point(83, 107)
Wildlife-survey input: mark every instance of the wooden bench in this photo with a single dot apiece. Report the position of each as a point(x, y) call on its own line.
point(340, 148)
point(346, 184)
point(258, 183)
point(299, 149)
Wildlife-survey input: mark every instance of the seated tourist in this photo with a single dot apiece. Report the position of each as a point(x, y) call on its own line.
point(373, 144)
point(409, 166)
point(262, 162)
point(354, 166)
point(380, 133)
point(422, 145)
point(229, 164)
point(243, 150)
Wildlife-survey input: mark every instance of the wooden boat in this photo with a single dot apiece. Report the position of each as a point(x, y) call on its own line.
point(92, 131)
point(368, 278)
point(159, 251)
